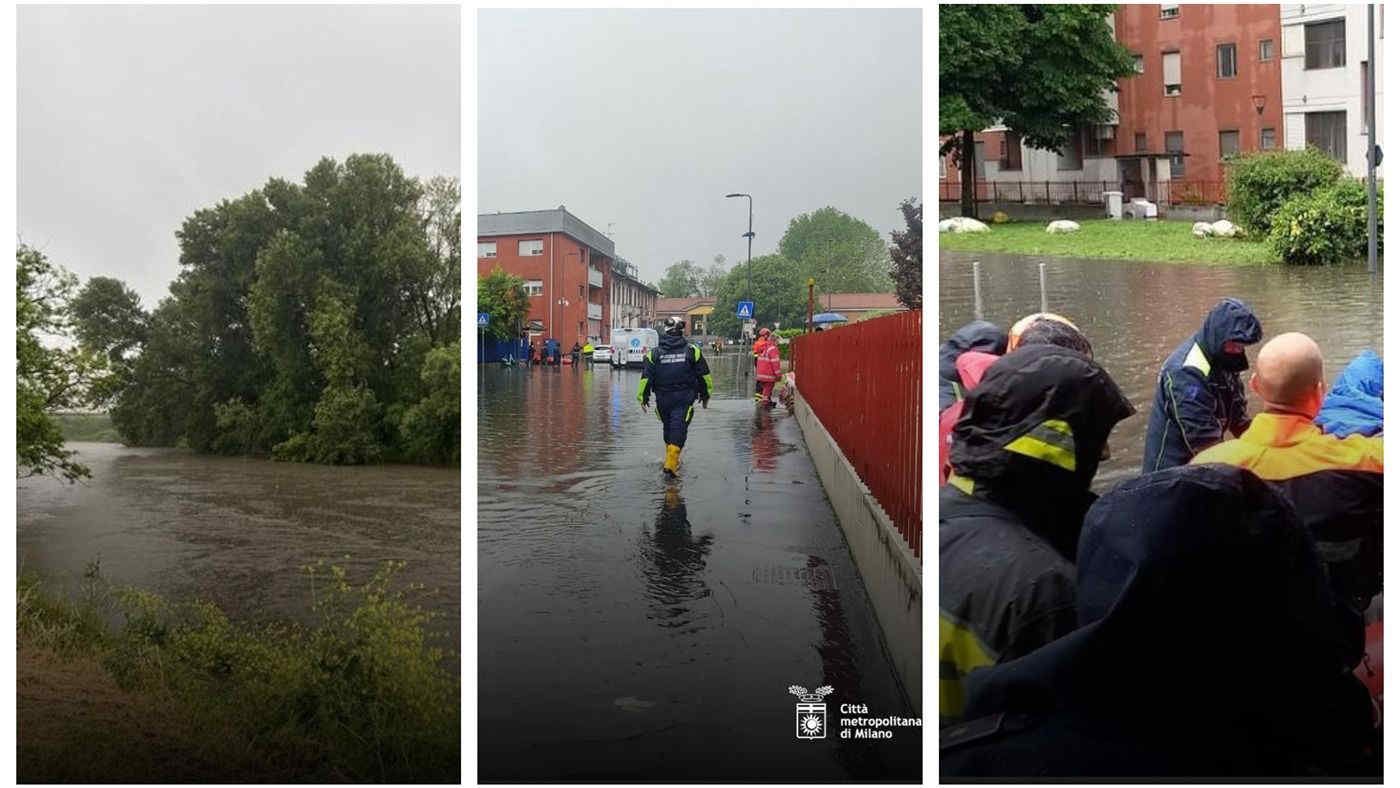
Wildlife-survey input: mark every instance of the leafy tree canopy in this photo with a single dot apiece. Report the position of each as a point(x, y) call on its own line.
point(504, 297)
point(842, 253)
point(779, 293)
point(681, 280)
point(908, 255)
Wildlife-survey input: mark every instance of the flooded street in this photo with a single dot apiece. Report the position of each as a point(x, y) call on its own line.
point(1136, 313)
point(634, 629)
point(237, 531)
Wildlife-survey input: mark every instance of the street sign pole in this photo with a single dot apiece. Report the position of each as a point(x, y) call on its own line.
point(1371, 138)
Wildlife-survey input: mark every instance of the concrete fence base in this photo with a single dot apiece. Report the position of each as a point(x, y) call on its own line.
point(891, 573)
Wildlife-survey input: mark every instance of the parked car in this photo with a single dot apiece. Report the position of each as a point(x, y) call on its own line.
point(602, 353)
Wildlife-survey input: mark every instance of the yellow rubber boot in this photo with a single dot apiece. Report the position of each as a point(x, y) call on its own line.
point(673, 458)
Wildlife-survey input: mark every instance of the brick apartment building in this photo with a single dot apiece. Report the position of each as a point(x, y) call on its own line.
point(567, 268)
point(1213, 81)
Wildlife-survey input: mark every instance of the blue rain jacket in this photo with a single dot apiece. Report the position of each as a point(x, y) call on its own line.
point(1355, 403)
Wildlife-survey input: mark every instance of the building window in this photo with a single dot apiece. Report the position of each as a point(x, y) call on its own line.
point(1225, 61)
point(1138, 65)
point(1170, 10)
point(1072, 154)
point(1266, 139)
point(1140, 142)
point(531, 248)
point(1095, 138)
point(1010, 151)
point(1174, 147)
point(486, 249)
point(534, 287)
point(1325, 44)
point(1266, 50)
point(942, 166)
point(1327, 131)
point(1171, 73)
point(1229, 144)
point(580, 292)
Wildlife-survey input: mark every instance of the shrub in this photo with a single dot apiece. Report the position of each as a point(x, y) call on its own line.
point(237, 427)
point(1326, 226)
point(1260, 183)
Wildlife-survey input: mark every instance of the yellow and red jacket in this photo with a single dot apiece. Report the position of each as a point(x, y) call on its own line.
point(1334, 483)
point(769, 362)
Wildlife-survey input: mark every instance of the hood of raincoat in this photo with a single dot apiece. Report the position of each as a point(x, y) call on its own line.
point(977, 335)
point(1019, 393)
point(1356, 403)
point(672, 344)
point(1231, 320)
point(1201, 597)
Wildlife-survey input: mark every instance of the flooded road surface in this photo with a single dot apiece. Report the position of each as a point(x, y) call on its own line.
point(1136, 313)
point(237, 531)
point(634, 629)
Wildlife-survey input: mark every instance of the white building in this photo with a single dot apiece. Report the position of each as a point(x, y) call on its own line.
point(1324, 78)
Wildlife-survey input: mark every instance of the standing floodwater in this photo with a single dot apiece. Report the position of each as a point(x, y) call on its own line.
point(1136, 313)
point(237, 531)
point(635, 629)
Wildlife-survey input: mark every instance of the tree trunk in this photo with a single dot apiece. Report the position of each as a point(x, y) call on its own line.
point(969, 174)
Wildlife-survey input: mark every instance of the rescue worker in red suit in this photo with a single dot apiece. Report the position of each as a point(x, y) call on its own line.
point(676, 370)
point(758, 344)
point(769, 367)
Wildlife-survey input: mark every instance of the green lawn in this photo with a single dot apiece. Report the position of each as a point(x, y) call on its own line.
point(1165, 241)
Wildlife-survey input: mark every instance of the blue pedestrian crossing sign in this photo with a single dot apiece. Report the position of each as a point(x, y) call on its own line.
point(745, 310)
point(482, 319)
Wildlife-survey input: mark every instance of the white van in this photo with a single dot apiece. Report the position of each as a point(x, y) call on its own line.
point(631, 344)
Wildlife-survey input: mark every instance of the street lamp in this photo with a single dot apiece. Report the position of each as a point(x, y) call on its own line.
point(748, 235)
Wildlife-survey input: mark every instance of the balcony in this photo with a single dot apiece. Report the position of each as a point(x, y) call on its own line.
point(595, 277)
point(595, 311)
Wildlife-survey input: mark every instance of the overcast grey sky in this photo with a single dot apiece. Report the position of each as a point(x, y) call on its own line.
point(133, 117)
point(646, 119)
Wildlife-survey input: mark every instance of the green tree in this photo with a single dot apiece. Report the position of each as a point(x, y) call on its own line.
point(48, 378)
point(681, 280)
point(842, 253)
point(108, 318)
point(908, 255)
point(713, 277)
point(432, 428)
point(1041, 70)
point(779, 295)
point(503, 296)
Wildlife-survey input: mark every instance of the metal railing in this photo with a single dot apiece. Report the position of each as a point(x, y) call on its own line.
point(1086, 192)
point(870, 403)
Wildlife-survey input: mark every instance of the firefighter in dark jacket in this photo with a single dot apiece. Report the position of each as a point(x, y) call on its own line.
point(1210, 648)
point(1199, 393)
point(677, 372)
point(1024, 452)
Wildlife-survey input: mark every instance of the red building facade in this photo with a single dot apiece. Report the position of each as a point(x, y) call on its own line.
point(1210, 85)
point(566, 265)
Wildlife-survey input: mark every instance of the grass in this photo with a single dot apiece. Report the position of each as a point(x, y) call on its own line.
point(91, 427)
point(178, 693)
point(1160, 241)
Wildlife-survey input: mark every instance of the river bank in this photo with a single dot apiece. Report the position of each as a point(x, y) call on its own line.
point(1161, 241)
point(178, 693)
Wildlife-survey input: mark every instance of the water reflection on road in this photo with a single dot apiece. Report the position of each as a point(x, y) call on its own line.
point(634, 629)
point(1136, 313)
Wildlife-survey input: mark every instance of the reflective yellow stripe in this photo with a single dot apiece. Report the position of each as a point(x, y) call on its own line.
point(961, 483)
point(1197, 359)
point(1051, 441)
point(709, 386)
point(690, 411)
point(641, 387)
point(960, 652)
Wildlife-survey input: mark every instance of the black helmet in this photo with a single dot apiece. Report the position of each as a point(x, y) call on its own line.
point(673, 326)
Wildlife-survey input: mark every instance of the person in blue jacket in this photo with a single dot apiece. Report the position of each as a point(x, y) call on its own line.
point(676, 371)
point(1199, 393)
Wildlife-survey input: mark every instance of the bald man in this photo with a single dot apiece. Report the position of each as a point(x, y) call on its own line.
point(1334, 483)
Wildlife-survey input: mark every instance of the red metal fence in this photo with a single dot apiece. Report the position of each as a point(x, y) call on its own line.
point(863, 382)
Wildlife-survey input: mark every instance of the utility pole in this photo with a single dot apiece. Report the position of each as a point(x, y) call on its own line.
point(749, 235)
point(1371, 137)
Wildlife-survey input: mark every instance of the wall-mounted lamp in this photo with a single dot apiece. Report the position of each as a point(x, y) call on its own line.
point(1258, 103)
